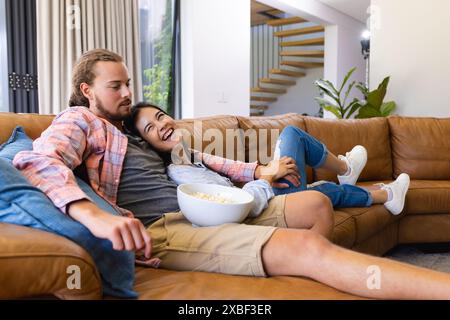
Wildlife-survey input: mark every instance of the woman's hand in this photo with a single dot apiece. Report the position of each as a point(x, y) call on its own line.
point(276, 169)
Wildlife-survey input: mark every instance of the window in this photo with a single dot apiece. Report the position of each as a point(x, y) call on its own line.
point(4, 88)
point(157, 29)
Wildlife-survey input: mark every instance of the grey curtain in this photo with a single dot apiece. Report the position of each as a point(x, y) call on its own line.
point(22, 52)
point(68, 28)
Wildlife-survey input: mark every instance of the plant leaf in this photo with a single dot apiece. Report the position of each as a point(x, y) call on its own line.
point(323, 102)
point(368, 111)
point(364, 90)
point(387, 108)
point(349, 74)
point(333, 110)
point(375, 97)
point(350, 87)
point(332, 87)
point(354, 106)
point(327, 88)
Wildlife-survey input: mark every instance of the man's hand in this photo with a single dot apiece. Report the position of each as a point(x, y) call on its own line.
point(124, 233)
point(277, 169)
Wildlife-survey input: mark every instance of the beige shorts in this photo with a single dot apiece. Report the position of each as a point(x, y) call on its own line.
point(229, 248)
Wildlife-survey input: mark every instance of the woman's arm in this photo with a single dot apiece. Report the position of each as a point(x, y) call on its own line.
point(237, 171)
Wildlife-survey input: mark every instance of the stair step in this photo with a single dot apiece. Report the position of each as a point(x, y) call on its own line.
point(296, 32)
point(278, 81)
point(311, 54)
point(268, 90)
point(286, 21)
point(301, 64)
point(309, 42)
point(259, 107)
point(257, 114)
point(264, 99)
point(287, 73)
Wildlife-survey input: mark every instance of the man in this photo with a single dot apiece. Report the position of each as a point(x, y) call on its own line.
point(88, 138)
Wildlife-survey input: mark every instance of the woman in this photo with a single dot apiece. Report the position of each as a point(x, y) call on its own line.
point(178, 245)
point(294, 149)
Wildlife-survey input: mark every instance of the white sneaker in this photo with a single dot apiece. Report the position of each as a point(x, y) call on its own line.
point(398, 189)
point(356, 160)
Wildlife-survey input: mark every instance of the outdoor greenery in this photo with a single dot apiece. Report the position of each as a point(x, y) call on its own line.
point(157, 79)
point(335, 100)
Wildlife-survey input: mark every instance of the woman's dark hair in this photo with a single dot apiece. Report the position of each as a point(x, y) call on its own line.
point(130, 122)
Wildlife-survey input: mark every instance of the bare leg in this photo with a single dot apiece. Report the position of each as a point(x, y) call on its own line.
point(311, 255)
point(310, 210)
point(333, 164)
point(379, 196)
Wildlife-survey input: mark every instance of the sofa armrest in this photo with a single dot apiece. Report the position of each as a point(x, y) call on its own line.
point(38, 263)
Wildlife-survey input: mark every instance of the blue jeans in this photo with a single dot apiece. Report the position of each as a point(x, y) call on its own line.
point(307, 150)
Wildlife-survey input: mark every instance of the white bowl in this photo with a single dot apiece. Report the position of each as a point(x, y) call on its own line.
point(205, 213)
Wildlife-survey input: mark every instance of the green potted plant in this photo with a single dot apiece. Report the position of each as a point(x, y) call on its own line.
point(373, 105)
point(335, 100)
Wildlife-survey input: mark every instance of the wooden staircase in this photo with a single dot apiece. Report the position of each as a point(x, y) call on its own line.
point(295, 58)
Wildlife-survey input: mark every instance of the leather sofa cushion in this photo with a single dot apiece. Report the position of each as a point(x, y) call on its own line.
point(217, 135)
point(265, 132)
point(424, 229)
point(421, 147)
point(380, 243)
point(344, 233)
point(40, 260)
point(428, 197)
point(341, 136)
point(370, 221)
point(33, 124)
point(163, 284)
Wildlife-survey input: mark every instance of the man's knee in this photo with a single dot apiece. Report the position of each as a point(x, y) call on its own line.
point(294, 248)
point(323, 206)
point(312, 249)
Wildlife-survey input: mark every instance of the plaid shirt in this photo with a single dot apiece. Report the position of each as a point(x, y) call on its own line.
point(237, 171)
point(78, 136)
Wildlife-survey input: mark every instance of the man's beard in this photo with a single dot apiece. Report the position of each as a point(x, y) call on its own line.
point(107, 115)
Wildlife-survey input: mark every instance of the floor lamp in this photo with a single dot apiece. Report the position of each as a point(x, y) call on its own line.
point(365, 45)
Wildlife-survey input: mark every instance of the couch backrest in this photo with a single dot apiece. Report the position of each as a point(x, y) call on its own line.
point(217, 135)
point(33, 124)
point(261, 134)
point(341, 136)
point(421, 147)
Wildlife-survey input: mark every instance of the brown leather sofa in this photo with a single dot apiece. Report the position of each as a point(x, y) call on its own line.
point(33, 263)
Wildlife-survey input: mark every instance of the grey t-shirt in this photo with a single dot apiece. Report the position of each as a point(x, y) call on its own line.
point(145, 189)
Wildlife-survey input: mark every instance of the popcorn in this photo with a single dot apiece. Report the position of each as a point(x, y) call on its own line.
point(214, 198)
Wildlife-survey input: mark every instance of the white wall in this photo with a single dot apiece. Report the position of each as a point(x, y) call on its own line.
point(343, 52)
point(299, 98)
point(412, 45)
point(215, 50)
